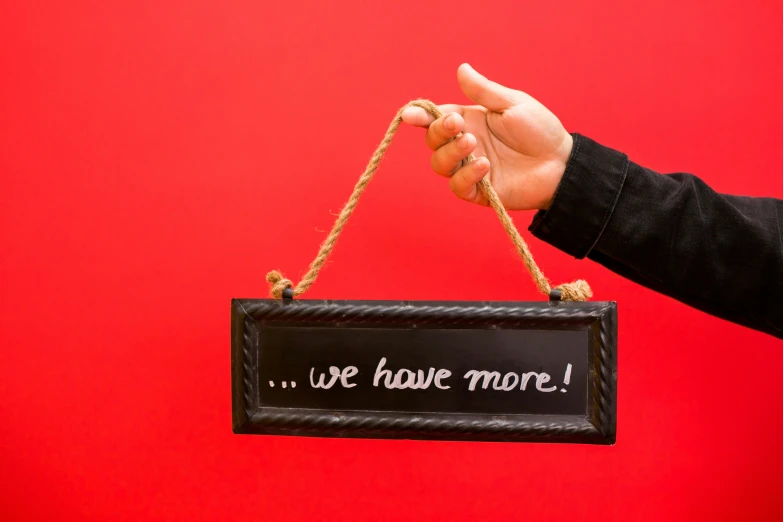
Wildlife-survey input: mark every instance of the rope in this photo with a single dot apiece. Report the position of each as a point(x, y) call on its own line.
point(576, 291)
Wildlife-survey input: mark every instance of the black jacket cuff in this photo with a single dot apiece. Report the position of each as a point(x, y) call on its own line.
point(584, 200)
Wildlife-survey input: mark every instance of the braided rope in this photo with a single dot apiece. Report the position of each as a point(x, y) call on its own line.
point(576, 291)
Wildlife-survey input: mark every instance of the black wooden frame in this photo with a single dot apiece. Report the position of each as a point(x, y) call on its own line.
point(596, 426)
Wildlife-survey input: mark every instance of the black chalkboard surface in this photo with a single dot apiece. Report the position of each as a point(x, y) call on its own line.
point(425, 370)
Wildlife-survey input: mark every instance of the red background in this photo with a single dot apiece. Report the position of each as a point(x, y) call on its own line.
point(158, 158)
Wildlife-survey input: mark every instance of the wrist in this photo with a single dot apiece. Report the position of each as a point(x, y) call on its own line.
point(562, 155)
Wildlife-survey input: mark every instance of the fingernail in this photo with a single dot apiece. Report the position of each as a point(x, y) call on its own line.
point(463, 142)
point(448, 122)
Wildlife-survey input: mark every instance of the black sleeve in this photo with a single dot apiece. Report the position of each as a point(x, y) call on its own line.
point(671, 233)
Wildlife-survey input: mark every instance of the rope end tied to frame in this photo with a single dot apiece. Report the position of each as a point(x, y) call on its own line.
point(279, 286)
point(578, 290)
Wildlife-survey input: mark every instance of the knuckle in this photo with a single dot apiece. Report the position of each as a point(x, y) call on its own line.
point(455, 184)
point(436, 164)
point(431, 139)
point(446, 160)
point(440, 130)
point(456, 153)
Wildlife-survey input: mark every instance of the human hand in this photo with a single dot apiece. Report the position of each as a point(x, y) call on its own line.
point(518, 143)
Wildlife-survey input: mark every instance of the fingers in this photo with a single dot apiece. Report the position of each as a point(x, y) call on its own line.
point(464, 182)
point(491, 95)
point(443, 130)
point(449, 152)
point(418, 117)
point(439, 131)
point(448, 158)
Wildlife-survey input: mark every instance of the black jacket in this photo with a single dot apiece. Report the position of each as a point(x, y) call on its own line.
point(671, 233)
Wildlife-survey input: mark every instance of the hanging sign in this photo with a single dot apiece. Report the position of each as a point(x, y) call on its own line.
point(425, 370)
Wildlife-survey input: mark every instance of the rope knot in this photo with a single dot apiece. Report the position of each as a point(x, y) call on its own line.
point(277, 283)
point(579, 290)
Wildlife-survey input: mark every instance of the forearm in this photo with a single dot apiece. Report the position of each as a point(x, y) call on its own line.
point(671, 233)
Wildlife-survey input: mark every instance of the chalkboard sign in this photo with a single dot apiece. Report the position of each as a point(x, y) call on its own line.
point(505, 371)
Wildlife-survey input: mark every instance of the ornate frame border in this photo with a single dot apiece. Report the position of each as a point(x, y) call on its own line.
point(597, 426)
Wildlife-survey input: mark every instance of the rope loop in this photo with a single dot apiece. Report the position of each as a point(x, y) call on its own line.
point(575, 291)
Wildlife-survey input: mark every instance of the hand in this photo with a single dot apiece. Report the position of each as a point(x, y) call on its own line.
point(518, 143)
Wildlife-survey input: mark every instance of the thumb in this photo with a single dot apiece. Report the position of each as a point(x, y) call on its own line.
point(491, 95)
